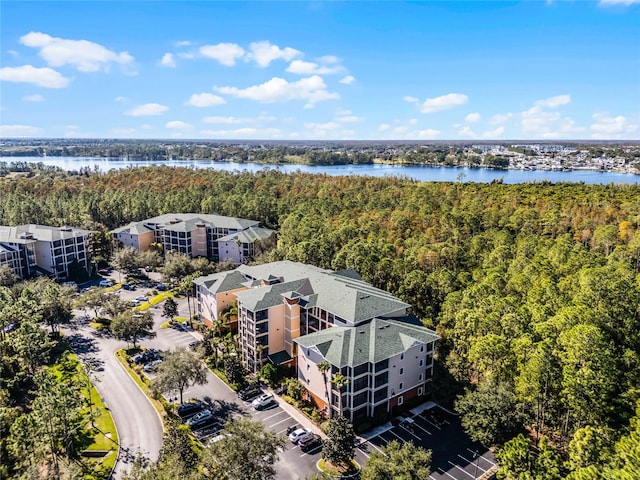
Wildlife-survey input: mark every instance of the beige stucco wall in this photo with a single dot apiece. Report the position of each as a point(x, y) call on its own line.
point(199, 242)
point(310, 376)
point(276, 328)
point(231, 251)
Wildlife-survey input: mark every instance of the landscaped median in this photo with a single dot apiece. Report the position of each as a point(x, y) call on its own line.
point(143, 382)
point(155, 300)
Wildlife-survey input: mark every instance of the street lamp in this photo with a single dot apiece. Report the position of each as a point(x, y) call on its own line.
point(476, 458)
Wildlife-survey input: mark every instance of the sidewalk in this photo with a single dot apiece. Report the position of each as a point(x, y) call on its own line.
point(297, 415)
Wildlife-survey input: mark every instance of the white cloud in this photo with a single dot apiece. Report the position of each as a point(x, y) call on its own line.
point(168, 60)
point(328, 59)
point(466, 132)
point(121, 99)
point(538, 122)
point(43, 77)
point(309, 68)
point(347, 116)
point(491, 134)
point(383, 127)
point(332, 130)
point(311, 89)
point(183, 43)
point(410, 99)
point(178, 125)
point(472, 117)
point(605, 126)
point(348, 80)
point(19, 131)
point(84, 55)
point(554, 102)
point(148, 109)
point(187, 55)
point(443, 102)
point(248, 132)
point(263, 53)
point(225, 53)
point(238, 120)
point(428, 134)
point(626, 3)
point(205, 100)
point(13, 53)
point(33, 98)
point(500, 118)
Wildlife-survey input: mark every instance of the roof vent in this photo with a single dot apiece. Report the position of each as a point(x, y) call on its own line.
point(361, 331)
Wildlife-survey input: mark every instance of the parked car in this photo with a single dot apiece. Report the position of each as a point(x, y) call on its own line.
point(106, 283)
point(189, 409)
point(249, 393)
point(151, 366)
point(263, 401)
point(104, 271)
point(310, 442)
point(141, 298)
point(161, 288)
point(298, 434)
point(146, 356)
point(201, 419)
point(128, 286)
point(195, 344)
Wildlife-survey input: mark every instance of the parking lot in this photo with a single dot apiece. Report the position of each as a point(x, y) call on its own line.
point(454, 455)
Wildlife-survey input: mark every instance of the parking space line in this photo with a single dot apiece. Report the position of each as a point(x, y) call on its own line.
point(472, 462)
point(454, 478)
point(364, 453)
point(373, 445)
point(460, 468)
point(311, 452)
point(431, 477)
point(399, 437)
point(423, 429)
point(410, 432)
point(285, 420)
point(431, 423)
point(271, 416)
point(475, 452)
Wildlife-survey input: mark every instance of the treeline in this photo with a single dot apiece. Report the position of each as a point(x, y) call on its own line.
point(534, 288)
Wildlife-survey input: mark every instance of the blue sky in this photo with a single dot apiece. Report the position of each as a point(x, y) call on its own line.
point(321, 70)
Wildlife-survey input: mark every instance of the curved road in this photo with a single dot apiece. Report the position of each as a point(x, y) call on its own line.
point(139, 426)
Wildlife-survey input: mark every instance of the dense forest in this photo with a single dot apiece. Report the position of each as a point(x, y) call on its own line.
point(534, 288)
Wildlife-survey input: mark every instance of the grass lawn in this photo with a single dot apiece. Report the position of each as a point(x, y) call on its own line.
point(161, 297)
point(349, 470)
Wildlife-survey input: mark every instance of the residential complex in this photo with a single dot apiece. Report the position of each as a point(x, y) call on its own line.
point(38, 249)
point(300, 315)
point(196, 235)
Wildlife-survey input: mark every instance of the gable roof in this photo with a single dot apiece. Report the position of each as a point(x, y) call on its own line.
point(21, 233)
point(249, 235)
point(372, 342)
point(134, 228)
point(222, 281)
point(210, 220)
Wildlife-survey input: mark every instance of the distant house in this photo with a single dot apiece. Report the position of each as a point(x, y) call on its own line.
point(197, 235)
point(41, 249)
point(299, 315)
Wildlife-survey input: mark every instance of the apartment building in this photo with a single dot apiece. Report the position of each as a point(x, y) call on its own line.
point(11, 257)
point(300, 315)
point(197, 235)
point(46, 250)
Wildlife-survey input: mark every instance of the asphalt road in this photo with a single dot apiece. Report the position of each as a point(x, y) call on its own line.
point(138, 424)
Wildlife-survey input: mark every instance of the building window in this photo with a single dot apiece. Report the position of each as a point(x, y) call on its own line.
point(420, 391)
point(402, 371)
point(308, 382)
point(422, 348)
point(400, 386)
point(420, 377)
point(421, 362)
point(400, 400)
point(308, 367)
point(402, 356)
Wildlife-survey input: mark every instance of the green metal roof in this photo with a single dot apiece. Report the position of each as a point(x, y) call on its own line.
point(222, 282)
point(372, 342)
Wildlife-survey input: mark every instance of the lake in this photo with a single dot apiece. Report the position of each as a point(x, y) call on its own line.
point(423, 174)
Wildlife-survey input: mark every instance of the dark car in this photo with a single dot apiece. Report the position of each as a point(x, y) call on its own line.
point(104, 271)
point(128, 286)
point(189, 409)
point(146, 356)
point(201, 419)
point(161, 288)
point(310, 442)
point(249, 393)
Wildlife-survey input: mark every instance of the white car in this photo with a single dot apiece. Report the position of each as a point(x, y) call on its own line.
point(263, 401)
point(298, 434)
point(141, 298)
point(106, 283)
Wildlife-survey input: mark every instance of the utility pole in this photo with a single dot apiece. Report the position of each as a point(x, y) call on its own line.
point(476, 458)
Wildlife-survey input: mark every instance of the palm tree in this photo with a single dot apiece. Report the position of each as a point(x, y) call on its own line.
point(324, 367)
point(339, 381)
point(259, 351)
